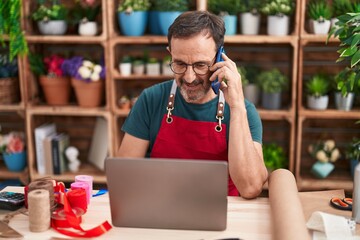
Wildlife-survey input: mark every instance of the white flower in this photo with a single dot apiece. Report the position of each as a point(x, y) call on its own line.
point(95, 77)
point(97, 68)
point(321, 156)
point(84, 72)
point(88, 64)
point(335, 155)
point(329, 145)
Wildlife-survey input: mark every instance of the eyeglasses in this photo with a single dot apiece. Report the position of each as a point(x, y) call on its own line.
point(198, 68)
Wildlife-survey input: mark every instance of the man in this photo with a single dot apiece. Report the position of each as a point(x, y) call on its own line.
point(188, 120)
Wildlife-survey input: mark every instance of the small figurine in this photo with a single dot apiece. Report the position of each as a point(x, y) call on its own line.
point(72, 154)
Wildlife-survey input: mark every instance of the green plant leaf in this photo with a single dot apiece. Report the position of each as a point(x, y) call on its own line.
point(356, 58)
point(355, 40)
point(348, 52)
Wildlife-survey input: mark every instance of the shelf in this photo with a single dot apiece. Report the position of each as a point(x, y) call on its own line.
point(312, 184)
point(308, 38)
point(117, 76)
point(67, 110)
point(290, 39)
point(329, 114)
point(275, 114)
point(146, 39)
point(12, 107)
point(66, 39)
point(6, 174)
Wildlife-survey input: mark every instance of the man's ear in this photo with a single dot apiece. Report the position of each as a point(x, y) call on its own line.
point(168, 49)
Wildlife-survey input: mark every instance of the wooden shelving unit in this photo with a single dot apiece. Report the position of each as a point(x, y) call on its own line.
point(299, 55)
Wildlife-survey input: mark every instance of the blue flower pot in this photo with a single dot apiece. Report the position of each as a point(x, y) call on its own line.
point(133, 24)
point(154, 23)
point(166, 19)
point(322, 170)
point(230, 24)
point(15, 162)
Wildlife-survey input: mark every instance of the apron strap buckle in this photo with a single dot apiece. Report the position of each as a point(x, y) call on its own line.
point(218, 127)
point(169, 119)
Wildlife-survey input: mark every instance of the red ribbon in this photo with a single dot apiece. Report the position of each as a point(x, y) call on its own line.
point(77, 198)
point(72, 219)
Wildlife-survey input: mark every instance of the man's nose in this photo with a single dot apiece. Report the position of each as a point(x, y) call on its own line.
point(189, 75)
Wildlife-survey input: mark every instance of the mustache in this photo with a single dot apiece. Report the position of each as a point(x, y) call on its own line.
point(193, 83)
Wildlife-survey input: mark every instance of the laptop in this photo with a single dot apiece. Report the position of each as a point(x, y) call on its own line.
point(167, 193)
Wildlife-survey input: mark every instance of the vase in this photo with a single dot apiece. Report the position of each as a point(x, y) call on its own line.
point(88, 28)
point(134, 23)
point(271, 101)
point(88, 94)
point(56, 89)
point(322, 170)
point(15, 162)
point(230, 24)
point(52, 27)
point(278, 25)
point(250, 23)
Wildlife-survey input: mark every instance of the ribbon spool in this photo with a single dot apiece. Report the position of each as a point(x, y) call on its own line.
point(43, 183)
point(82, 185)
point(86, 179)
point(39, 210)
point(77, 199)
point(59, 219)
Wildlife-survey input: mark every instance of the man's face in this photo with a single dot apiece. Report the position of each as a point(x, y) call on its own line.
point(199, 49)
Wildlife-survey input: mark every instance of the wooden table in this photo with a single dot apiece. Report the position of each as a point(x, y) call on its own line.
point(247, 219)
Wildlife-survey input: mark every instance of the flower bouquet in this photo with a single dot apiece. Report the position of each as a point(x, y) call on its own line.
point(87, 77)
point(325, 153)
point(12, 147)
point(56, 86)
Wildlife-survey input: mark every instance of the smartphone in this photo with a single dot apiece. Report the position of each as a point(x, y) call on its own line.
point(216, 84)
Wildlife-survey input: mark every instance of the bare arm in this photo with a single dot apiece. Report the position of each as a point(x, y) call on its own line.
point(133, 147)
point(246, 164)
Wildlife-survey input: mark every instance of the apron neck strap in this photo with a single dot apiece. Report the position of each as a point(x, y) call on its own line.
point(171, 100)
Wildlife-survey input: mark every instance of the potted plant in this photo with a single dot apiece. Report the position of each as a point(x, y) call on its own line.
point(274, 157)
point(250, 17)
point(278, 16)
point(132, 16)
point(125, 65)
point(153, 66)
point(228, 10)
point(317, 88)
point(319, 12)
point(272, 83)
point(55, 85)
point(12, 147)
point(325, 153)
point(87, 78)
point(250, 86)
point(9, 83)
point(168, 11)
point(84, 14)
point(344, 96)
point(10, 26)
point(124, 103)
point(352, 153)
point(51, 17)
point(166, 70)
point(340, 7)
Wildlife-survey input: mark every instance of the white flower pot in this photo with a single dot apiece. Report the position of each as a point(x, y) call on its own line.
point(321, 27)
point(252, 93)
point(88, 28)
point(166, 69)
point(153, 69)
point(139, 69)
point(318, 103)
point(52, 27)
point(250, 23)
point(278, 25)
point(333, 21)
point(125, 69)
point(344, 103)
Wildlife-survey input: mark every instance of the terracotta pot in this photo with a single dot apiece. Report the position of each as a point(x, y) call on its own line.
point(56, 89)
point(88, 94)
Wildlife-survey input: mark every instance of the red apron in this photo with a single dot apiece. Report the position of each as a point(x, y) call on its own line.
point(188, 139)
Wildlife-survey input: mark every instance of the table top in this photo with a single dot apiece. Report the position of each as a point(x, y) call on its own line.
point(246, 219)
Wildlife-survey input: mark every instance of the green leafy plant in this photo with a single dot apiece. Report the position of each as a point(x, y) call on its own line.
point(353, 149)
point(167, 6)
point(8, 68)
point(317, 86)
point(274, 156)
point(340, 7)
point(134, 5)
point(84, 11)
point(319, 10)
point(348, 31)
point(50, 10)
point(252, 6)
point(343, 81)
point(272, 81)
point(278, 7)
point(10, 26)
point(242, 72)
point(224, 7)
point(152, 60)
point(166, 59)
point(126, 59)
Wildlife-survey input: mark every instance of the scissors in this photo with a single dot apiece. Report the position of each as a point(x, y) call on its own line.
point(342, 204)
